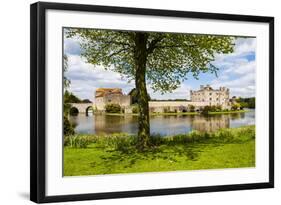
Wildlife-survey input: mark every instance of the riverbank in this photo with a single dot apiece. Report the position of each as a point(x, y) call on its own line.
point(228, 112)
point(175, 113)
point(151, 114)
point(116, 153)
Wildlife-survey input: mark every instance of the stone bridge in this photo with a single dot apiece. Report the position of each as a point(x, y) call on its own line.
point(82, 107)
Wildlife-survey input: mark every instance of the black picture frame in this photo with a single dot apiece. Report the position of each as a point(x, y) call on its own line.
point(38, 101)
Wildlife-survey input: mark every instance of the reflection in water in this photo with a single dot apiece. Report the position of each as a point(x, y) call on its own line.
point(163, 125)
point(210, 123)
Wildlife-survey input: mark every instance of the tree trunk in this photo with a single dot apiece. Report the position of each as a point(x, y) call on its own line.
point(140, 66)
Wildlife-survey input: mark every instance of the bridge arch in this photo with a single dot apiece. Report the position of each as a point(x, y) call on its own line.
point(89, 109)
point(73, 111)
point(81, 108)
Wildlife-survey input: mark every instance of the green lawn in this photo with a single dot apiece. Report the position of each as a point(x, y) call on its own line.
point(228, 148)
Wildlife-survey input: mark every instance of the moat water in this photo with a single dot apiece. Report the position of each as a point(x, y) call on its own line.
point(163, 125)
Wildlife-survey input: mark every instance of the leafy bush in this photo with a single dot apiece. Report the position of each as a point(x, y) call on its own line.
point(67, 127)
point(235, 106)
point(167, 109)
point(206, 110)
point(218, 108)
point(191, 108)
point(213, 108)
point(113, 108)
point(135, 109)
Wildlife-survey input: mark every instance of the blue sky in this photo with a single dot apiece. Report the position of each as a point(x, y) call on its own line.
point(236, 71)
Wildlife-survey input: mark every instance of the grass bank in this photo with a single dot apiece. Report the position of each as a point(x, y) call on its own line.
point(228, 112)
point(116, 153)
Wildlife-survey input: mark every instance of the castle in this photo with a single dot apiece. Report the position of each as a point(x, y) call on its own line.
point(205, 96)
point(211, 96)
point(105, 96)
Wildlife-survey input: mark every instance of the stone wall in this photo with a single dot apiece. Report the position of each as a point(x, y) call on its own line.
point(206, 96)
point(160, 106)
point(122, 100)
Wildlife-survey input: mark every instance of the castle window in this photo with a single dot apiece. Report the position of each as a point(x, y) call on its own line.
point(210, 98)
point(210, 94)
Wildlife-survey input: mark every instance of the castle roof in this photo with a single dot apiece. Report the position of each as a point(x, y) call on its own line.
point(208, 87)
point(101, 92)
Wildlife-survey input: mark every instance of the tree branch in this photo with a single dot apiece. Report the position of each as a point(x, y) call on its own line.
point(118, 52)
point(174, 46)
point(153, 44)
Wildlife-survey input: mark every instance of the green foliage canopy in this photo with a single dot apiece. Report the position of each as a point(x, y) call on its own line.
point(170, 56)
point(71, 98)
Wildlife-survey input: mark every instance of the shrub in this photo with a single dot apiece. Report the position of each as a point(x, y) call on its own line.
point(218, 108)
point(166, 109)
point(67, 127)
point(213, 108)
point(235, 106)
point(135, 109)
point(191, 108)
point(113, 108)
point(206, 109)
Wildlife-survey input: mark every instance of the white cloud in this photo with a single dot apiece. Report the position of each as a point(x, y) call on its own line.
point(243, 86)
point(86, 78)
point(241, 67)
point(245, 45)
point(237, 71)
point(181, 92)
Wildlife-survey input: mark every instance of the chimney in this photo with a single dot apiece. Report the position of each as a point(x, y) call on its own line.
point(201, 87)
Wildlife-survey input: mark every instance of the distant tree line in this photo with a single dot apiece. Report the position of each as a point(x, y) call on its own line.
point(247, 102)
point(71, 98)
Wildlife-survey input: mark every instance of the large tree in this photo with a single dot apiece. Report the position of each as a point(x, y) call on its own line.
point(161, 59)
